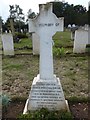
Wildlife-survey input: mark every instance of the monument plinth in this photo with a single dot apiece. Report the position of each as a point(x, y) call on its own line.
point(46, 90)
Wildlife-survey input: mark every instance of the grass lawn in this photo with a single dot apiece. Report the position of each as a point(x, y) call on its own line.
point(63, 39)
point(23, 43)
point(19, 71)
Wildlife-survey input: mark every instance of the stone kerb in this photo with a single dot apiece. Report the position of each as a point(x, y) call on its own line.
point(7, 42)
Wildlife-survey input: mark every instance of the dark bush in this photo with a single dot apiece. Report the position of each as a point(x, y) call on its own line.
point(88, 46)
point(19, 36)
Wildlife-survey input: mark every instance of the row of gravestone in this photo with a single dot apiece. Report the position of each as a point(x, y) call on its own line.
point(80, 36)
point(46, 90)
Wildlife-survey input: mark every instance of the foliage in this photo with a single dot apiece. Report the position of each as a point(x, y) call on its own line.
point(75, 99)
point(63, 39)
point(5, 101)
point(89, 14)
point(45, 114)
point(72, 14)
point(16, 12)
point(21, 35)
point(59, 52)
point(24, 42)
point(87, 48)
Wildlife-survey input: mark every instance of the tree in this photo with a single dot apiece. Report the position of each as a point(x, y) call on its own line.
point(89, 14)
point(16, 13)
point(72, 14)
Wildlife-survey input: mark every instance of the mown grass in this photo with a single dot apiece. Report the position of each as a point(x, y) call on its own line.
point(21, 69)
point(63, 39)
point(25, 42)
point(13, 66)
point(72, 71)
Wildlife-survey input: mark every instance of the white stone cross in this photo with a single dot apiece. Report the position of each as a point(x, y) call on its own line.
point(46, 25)
point(46, 90)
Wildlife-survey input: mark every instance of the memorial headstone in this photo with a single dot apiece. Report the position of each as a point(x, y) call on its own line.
point(72, 35)
point(36, 44)
point(0, 26)
point(89, 35)
point(81, 40)
point(46, 90)
point(0, 45)
point(7, 42)
point(86, 27)
point(73, 25)
point(73, 29)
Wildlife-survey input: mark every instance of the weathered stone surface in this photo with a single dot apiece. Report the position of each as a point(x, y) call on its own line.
point(47, 94)
point(36, 44)
point(46, 90)
point(81, 39)
point(7, 41)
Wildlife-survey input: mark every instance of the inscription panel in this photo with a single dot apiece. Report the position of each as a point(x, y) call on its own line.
point(46, 95)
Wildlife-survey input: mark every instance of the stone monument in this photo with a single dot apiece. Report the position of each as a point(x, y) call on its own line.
point(81, 40)
point(0, 26)
point(7, 42)
point(46, 90)
point(36, 44)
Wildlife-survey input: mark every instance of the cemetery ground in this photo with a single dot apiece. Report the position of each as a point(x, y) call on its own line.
point(72, 69)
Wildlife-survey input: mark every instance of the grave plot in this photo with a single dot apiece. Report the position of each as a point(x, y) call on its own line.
point(46, 90)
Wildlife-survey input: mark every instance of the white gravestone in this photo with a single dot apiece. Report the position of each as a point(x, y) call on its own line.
point(46, 90)
point(0, 26)
point(86, 27)
point(72, 35)
point(7, 41)
point(36, 44)
point(89, 35)
point(81, 40)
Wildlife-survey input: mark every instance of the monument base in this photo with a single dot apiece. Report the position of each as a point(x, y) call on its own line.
point(46, 94)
